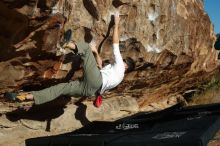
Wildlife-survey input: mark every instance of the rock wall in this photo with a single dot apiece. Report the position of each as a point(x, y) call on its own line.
point(171, 42)
point(168, 39)
point(158, 31)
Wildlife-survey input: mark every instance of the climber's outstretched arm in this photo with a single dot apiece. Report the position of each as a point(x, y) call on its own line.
point(115, 31)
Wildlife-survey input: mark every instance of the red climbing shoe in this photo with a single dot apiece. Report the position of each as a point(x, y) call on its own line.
point(98, 101)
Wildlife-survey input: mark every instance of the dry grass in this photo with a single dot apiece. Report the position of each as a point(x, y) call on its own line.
point(208, 93)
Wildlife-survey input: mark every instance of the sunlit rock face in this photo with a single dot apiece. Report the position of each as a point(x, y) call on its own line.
point(171, 41)
point(157, 31)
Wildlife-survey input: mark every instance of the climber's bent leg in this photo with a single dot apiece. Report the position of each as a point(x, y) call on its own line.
point(73, 88)
point(92, 75)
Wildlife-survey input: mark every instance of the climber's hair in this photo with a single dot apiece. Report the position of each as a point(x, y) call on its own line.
point(130, 63)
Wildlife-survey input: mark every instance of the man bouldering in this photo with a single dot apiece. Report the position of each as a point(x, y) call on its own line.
point(96, 79)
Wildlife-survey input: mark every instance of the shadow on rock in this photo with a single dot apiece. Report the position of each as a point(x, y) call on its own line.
point(81, 114)
point(44, 112)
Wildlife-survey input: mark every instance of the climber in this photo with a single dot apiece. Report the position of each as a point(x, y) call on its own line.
point(96, 79)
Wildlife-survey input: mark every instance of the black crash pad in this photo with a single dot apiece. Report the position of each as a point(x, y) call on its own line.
point(191, 126)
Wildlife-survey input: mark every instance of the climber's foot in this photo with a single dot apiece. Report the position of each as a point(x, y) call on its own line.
point(19, 97)
point(71, 45)
point(67, 35)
